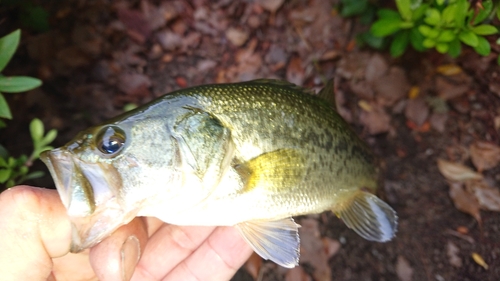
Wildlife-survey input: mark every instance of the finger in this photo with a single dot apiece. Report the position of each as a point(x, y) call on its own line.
point(34, 229)
point(116, 257)
point(218, 258)
point(168, 247)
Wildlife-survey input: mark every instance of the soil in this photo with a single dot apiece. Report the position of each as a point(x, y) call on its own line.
point(99, 56)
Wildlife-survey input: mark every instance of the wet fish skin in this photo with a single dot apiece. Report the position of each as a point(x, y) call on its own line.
point(249, 154)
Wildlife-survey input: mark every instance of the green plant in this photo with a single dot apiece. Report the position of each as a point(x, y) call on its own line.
point(15, 170)
point(443, 25)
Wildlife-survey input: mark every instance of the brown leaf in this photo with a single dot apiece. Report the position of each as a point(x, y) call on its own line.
point(237, 36)
point(137, 26)
point(312, 250)
point(404, 269)
point(447, 89)
point(295, 71)
point(464, 201)
point(392, 87)
point(484, 155)
point(297, 274)
point(487, 196)
point(417, 111)
point(376, 121)
point(332, 246)
point(438, 121)
point(271, 5)
point(253, 265)
point(457, 172)
point(452, 251)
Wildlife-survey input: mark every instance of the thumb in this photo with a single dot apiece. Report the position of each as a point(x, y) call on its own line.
point(35, 229)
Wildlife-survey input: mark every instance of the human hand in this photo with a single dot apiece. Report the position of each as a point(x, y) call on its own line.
point(35, 236)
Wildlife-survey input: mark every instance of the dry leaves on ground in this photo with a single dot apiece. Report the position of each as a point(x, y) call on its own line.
point(484, 155)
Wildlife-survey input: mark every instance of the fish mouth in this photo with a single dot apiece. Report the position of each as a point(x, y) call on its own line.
point(90, 193)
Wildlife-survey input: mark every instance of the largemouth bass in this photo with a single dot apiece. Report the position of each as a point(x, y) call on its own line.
point(250, 155)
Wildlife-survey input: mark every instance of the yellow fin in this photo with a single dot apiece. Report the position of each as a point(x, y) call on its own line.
point(274, 170)
point(274, 240)
point(370, 217)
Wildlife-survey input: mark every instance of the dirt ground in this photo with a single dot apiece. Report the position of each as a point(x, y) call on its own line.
point(100, 56)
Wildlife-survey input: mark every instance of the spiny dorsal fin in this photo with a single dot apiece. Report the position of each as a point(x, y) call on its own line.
point(328, 94)
point(369, 217)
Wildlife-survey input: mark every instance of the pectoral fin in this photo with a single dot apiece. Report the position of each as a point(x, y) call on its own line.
point(369, 217)
point(274, 240)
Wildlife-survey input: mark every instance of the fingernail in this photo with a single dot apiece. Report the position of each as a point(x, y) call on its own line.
point(130, 253)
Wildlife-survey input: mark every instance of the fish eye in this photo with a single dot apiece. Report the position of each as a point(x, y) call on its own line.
point(110, 140)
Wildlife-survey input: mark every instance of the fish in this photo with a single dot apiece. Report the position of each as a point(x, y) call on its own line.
point(250, 155)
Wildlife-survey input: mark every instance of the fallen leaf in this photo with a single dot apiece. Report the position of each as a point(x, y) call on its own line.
point(237, 36)
point(137, 26)
point(376, 68)
point(447, 89)
point(376, 121)
point(457, 172)
point(332, 246)
point(404, 269)
point(484, 155)
point(169, 40)
point(414, 92)
point(449, 69)
point(417, 111)
point(438, 121)
point(392, 87)
point(253, 265)
point(312, 249)
point(463, 200)
point(271, 5)
point(487, 196)
point(295, 71)
point(133, 83)
point(297, 274)
point(479, 260)
point(452, 251)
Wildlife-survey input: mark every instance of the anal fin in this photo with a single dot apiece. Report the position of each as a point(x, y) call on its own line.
point(274, 240)
point(370, 217)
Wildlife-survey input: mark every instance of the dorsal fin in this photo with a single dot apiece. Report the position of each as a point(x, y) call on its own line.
point(328, 94)
point(283, 83)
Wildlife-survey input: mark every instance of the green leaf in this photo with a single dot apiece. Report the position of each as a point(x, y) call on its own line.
point(400, 43)
point(2, 124)
point(18, 84)
point(36, 130)
point(352, 8)
point(483, 47)
point(2, 162)
point(4, 175)
point(446, 36)
point(468, 37)
point(34, 175)
point(388, 14)
point(429, 43)
point(385, 27)
point(425, 30)
point(440, 2)
point(448, 15)
point(416, 40)
point(419, 12)
point(455, 48)
point(498, 14)
point(8, 46)
point(4, 108)
point(49, 137)
point(461, 12)
point(10, 183)
point(432, 17)
point(483, 13)
point(485, 29)
point(371, 40)
point(404, 9)
point(3, 152)
point(442, 47)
